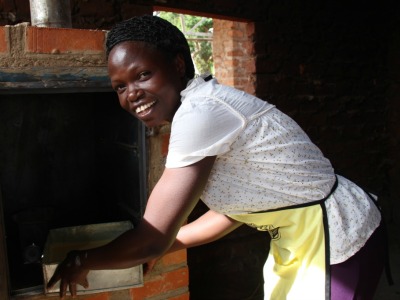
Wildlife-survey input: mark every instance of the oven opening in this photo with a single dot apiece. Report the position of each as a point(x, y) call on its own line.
point(66, 159)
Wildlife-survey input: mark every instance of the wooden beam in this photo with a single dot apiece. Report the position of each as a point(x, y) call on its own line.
point(53, 79)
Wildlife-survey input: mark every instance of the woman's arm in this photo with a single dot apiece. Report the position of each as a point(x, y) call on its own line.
point(210, 227)
point(169, 205)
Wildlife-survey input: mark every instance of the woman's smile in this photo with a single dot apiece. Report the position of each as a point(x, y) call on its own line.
point(144, 108)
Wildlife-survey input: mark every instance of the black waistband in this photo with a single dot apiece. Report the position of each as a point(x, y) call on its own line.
point(335, 185)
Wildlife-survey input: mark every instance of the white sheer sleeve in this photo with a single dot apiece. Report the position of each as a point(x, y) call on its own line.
point(202, 127)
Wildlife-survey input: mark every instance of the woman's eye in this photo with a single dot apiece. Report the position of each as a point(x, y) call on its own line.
point(119, 89)
point(144, 75)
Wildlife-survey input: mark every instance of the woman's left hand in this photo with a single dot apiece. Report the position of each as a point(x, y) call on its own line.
point(148, 266)
point(70, 272)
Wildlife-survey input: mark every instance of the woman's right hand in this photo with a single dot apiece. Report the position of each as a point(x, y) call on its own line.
point(70, 272)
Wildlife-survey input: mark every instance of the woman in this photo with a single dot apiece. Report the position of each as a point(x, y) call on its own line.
point(249, 163)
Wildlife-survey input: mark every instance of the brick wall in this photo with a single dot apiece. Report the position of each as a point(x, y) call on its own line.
point(3, 41)
point(233, 54)
point(327, 65)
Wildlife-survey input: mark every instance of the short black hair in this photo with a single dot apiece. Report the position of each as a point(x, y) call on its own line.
point(156, 32)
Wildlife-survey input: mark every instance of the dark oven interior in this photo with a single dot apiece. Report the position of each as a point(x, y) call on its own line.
point(66, 159)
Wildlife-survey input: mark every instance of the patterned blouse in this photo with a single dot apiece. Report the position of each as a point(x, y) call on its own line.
point(264, 161)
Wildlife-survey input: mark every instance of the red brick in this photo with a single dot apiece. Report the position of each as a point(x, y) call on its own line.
point(181, 297)
point(64, 40)
point(236, 33)
point(3, 40)
point(235, 52)
point(100, 296)
point(250, 29)
point(163, 283)
point(174, 258)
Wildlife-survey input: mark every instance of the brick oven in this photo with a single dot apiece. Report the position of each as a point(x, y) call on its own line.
point(70, 156)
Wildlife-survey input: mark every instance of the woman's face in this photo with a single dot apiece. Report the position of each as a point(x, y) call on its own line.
point(147, 83)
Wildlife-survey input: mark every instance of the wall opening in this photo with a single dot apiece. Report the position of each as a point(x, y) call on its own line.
point(199, 34)
point(67, 159)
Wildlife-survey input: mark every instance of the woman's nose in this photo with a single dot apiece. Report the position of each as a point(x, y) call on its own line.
point(132, 94)
point(132, 97)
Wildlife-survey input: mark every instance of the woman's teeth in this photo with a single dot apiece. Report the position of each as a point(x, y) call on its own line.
point(143, 107)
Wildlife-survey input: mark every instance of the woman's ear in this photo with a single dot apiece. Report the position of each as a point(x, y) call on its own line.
point(180, 64)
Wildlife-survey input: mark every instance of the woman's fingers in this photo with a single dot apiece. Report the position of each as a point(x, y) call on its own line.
point(86, 283)
point(72, 289)
point(63, 288)
point(69, 273)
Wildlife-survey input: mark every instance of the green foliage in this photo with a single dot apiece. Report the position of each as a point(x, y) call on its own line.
point(199, 39)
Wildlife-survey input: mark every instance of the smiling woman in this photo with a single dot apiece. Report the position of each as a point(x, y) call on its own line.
point(148, 82)
point(249, 163)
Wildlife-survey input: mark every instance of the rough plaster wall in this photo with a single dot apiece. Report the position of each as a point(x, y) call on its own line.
point(27, 46)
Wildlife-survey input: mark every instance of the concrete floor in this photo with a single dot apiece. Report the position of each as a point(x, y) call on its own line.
point(386, 292)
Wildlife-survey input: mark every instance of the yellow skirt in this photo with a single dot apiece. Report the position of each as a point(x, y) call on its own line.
point(299, 269)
